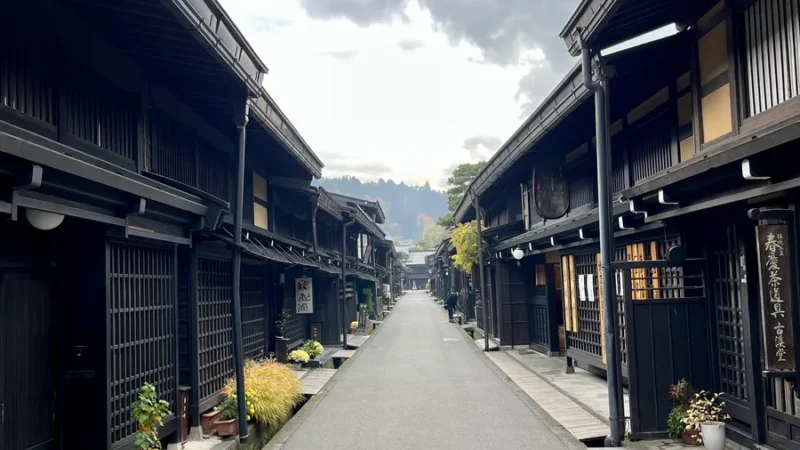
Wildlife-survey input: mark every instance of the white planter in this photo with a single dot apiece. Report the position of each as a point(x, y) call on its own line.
point(713, 434)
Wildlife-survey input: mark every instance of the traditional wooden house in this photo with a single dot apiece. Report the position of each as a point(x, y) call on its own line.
point(417, 275)
point(366, 249)
point(126, 134)
point(700, 125)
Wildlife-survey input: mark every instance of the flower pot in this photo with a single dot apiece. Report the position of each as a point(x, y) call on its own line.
point(713, 434)
point(298, 366)
point(207, 421)
point(691, 437)
point(282, 349)
point(227, 427)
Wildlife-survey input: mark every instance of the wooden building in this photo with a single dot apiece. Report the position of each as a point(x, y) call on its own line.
point(701, 127)
point(121, 135)
point(417, 270)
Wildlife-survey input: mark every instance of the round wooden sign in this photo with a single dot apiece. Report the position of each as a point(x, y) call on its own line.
point(550, 189)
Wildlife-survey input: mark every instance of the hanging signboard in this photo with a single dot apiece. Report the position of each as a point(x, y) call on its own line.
point(304, 295)
point(774, 261)
point(550, 189)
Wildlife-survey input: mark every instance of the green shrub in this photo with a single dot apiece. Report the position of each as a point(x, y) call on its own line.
point(148, 412)
point(313, 348)
point(675, 424)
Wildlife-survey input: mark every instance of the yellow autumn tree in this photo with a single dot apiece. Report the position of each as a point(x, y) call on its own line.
point(465, 239)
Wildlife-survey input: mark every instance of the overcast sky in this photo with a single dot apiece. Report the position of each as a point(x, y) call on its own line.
point(406, 89)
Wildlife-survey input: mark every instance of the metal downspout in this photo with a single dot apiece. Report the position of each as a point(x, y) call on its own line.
point(343, 302)
point(477, 204)
point(238, 354)
point(613, 368)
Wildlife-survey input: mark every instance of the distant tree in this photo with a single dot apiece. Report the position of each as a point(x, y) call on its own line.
point(459, 181)
point(465, 240)
point(446, 220)
point(431, 237)
point(402, 257)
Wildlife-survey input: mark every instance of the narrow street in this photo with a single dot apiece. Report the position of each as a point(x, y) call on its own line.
point(420, 383)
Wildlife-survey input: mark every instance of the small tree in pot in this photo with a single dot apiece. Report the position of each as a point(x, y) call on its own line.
point(706, 416)
point(681, 394)
point(281, 342)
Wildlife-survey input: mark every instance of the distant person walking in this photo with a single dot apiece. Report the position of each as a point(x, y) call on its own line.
point(450, 304)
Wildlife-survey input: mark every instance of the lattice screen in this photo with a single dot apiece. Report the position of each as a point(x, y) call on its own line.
point(143, 339)
point(215, 350)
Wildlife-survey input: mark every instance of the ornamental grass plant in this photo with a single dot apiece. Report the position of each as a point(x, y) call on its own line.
point(272, 391)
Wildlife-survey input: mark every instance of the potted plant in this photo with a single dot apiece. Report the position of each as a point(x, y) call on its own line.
point(281, 343)
point(313, 348)
point(208, 420)
point(149, 413)
point(298, 358)
point(681, 394)
point(227, 422)
point(705, 416)
point(353, 327)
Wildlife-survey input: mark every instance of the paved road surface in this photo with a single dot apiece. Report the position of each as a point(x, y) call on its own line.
point(419, 384)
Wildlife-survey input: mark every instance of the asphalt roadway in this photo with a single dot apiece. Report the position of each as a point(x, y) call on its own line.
point(420, 383)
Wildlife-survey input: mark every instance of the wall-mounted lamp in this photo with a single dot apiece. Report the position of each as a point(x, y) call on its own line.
point(43, 220)
point(518, 254)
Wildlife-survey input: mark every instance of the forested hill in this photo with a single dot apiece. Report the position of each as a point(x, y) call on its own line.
point(408, 208)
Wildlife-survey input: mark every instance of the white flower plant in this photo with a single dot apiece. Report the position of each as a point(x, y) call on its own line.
point(704, 407)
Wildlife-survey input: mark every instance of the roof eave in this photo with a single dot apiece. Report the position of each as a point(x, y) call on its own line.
point(588, 20)
point(270, 116)
point(568, 94)
point(216, 30)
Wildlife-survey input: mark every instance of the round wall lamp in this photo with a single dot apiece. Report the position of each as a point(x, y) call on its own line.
point(518, 254)
point(43, 220)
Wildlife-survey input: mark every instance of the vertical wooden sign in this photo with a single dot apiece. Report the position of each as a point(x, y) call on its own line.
point(775, 271)
point(304, 295)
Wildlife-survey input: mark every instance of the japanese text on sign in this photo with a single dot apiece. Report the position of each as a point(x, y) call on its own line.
point(776, 306)
point(304, 295)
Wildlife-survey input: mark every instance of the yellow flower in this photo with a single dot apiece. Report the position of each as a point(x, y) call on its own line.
point(248, 417)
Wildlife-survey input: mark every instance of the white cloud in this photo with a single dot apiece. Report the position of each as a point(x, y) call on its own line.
point(357, 91)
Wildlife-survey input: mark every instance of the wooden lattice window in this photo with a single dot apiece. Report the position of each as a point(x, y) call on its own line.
point(215, 350)
point(26, 73)
point(142, 296)
point(587, 338)
point(214, 171)
point(172, 149)
point(254, 327)
point(727, 287)
point(651, 146)
point(99, 113)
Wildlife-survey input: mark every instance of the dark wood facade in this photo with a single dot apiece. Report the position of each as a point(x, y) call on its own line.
point(701, 128)
point(125, 132)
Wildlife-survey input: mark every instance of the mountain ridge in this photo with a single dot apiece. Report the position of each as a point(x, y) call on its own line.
point(408, 208)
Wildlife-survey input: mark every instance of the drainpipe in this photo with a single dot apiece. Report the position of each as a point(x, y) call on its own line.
point(238, 354)
point(478, 219)
point(343, 303)
point(314, 224)
point(616, 407)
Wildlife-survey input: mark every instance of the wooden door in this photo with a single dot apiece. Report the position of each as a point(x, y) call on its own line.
point(27, 362)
